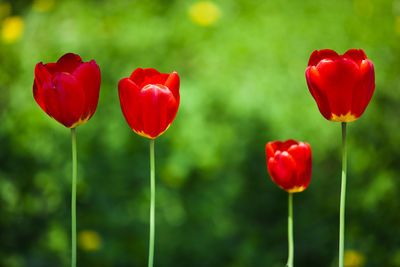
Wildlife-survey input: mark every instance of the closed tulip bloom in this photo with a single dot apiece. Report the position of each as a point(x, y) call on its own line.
point(342, 85)
point(68, 90)
point(289, 164)
point(149, 101)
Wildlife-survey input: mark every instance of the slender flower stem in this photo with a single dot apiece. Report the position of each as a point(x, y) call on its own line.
point(152, 202)
point(290, 232)
point(73, 199)
point(342, 195)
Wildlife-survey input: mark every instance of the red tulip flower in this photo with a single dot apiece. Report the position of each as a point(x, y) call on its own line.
point(289, 164)
point(149, 101)
point(68, 90)
point(342, 85)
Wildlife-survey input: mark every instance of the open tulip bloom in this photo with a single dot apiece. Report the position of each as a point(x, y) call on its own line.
point(149, 101)
point(342, 86)
point(68, 91)
point(289, 165)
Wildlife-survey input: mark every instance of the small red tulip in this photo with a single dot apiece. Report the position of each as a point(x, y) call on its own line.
point(149, 101)
point(342, 85)
point(68, 90)
point(289, 164)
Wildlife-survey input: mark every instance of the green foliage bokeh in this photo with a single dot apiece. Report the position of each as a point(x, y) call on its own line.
point(242, 85)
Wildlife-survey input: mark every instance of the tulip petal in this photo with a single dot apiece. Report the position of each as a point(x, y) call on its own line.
point(317, 56)
point(143, 77)
point(301, 154)
point(270, 150)
point(51, 67)
point(282, 169)
point(68, 63)
point(337, 79)
point(156, 79)
point(273, 147)
point(365, 88)
point(173, 83)
point(139, 76)
point(357, 55)
point(158, 108)
point(130, 104)
point(312, 76)
point(41, 76)
point(38, 96)
point(89, 77)
point(64, 99)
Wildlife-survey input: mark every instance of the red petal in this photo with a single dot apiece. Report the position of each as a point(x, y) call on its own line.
point(41, 73)
point(173, 83)
point(357, 55)
point(337, 80)
point(64, 99)
point(51, 67)
point(282, 169)
point(270, 149)
point(130, 104)
point(68, 63)
point(158, 108)
point(38, 96)
point(89, 77)
point(317, 56)
point(301, 154)
point(320, 96)
point(365, 88)
point(41, 76)
point(139, 75)
point(143, 77)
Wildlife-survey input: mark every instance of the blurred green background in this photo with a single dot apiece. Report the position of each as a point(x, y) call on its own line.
point(242, 67)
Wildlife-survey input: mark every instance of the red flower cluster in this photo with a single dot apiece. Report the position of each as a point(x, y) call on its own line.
point(289, 164)
point(342, 85)
point(149, 101)
point(68, 90)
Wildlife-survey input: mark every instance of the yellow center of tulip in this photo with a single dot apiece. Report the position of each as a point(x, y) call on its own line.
point(296, 189)
point(80, 122)
point(343, 118)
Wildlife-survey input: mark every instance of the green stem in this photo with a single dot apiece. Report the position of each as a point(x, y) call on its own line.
point(73, 199)
point(342, 195)
point(152, 202)
point(290, 232)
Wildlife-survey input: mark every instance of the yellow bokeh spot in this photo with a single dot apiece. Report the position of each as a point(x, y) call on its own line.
point(353, 258)
point(343, 118)
point(43, 5)
point(89, 240)
point(12, 29)
point(204, 13)
point(5, 10)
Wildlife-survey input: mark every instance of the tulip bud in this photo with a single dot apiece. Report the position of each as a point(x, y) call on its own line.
point(342, 85)
point(149, 101)
point(289, 164)
point(68, 90)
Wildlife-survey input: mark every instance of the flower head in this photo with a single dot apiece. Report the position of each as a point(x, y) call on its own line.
point(68, 90)
point(342, 85)
point(149, 101)
point(289, 164)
